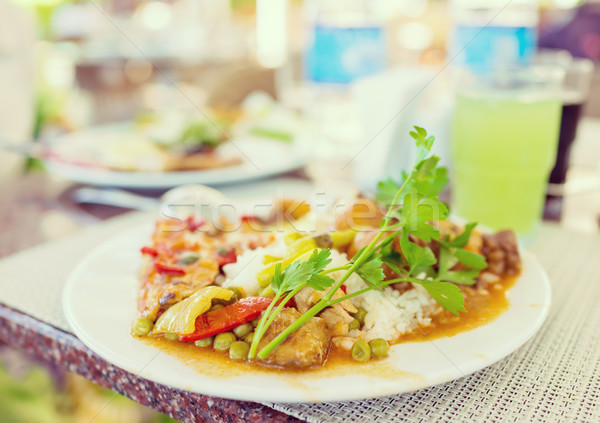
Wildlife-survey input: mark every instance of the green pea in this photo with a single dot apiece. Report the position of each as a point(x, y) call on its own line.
point(223, 341)
point(354, 324)
point(248, 338)
point(239, 350)
point(205, 342)
point(361, 351)
point(216, 307)
point(171, 336)
point(242, 330)
point(142, 326)
point(188, 259)
point(379, 347)
point(255, 322)
point(360, 315)
point(237, 293)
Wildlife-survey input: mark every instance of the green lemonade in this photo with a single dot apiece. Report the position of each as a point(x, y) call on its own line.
point(503, 150)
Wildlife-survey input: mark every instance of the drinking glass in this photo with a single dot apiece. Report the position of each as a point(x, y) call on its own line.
point(576, 88)
point(504, 141)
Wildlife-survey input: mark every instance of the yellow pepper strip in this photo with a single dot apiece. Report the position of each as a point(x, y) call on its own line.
point(342, 238)
point(294, 251)
point(271, 259)
point(180, 318)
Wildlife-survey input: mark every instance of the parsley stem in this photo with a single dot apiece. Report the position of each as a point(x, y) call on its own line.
point(326, 300)
point(334, 269)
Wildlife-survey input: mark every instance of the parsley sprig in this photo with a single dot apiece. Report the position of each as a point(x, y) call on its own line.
point(413, 206)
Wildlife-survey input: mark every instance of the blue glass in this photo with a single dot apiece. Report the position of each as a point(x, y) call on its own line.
point(342, 54)
point(486, 47)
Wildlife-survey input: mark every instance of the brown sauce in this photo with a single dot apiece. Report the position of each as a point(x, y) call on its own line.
point(483, 306)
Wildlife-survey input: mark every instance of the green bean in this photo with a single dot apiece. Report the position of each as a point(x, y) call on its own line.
point(204, 342)
point(354, 324)
point(171, 336)
point(242, 330)
point(239, 350)
point(223, 341)
point(379, 347)
point(360, 315)
point(248, 338)
point(361, 351)
point(142, 326)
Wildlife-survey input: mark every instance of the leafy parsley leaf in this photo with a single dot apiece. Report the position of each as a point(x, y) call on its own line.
point(371, 272)
point(416, 213)
point(463, 238)
point(416, 255)
point(423, 141)
point(446, 294)
point(446, 262)
point(470, 259)
point(320, 282)
point(320, 259)
point(386, 191)
point(303, 272)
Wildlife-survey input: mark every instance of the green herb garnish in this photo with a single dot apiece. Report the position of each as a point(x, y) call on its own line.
point(408, 220)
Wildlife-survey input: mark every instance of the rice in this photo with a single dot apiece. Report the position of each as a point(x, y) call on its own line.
point(389, 312)
point(243, 272)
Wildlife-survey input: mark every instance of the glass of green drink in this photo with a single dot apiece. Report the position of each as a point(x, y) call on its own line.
point(504, 142)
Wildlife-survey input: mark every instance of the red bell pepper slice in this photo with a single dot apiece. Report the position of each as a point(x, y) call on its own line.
point(149, 250)
point(168, 269)
point(227, 318)
point(193, 224)
point(225, 257)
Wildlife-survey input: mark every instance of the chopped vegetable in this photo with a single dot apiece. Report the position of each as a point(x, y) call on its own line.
point(142, 326)
point(242, 330)
point(168, 269)
point(238, 350)
point(205, 342)
point(226, 257)
point(227, 318)
point(150, 251)
point(360, 315)
point(223, 341)
point(188, 259)
point(379, 347)
point(361, 351)
point(180, 318)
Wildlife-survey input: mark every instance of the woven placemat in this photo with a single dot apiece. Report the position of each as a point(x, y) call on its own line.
point(553, 377)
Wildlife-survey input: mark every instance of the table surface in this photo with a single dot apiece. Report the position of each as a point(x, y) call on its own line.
point(36, 207)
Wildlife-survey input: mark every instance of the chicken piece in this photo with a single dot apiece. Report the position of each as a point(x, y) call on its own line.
point(306, 347)
point(502, 253)
point(337, 317)
point(360, 213)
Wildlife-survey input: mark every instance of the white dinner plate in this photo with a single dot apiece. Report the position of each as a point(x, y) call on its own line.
point(261, 158)
point(100, 304)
